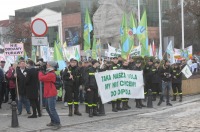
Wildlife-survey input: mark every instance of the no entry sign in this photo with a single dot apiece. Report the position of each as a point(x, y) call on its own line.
point(39, 27)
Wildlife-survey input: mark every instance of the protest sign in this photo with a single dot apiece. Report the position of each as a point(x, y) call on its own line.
point(14, 49)
point(136, 51)
point(120, 84)
point(72, 52)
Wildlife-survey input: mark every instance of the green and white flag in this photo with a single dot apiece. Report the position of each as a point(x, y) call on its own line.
point(186, 71)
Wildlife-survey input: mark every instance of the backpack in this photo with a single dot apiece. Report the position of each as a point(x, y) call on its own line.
point(58, 82)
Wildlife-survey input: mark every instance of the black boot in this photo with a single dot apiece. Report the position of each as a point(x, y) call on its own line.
point(124, 105)
point(90, 112)
point(118, 105)
point(70, 110)
point(101, 110)
point(86, 109)
point(174, 98)
point(113, 107)
point(127, 105)
point(76, 110)
point(138, 104)
point(181, 96)
point(154, 97)
point(161, 100)
point(95, 113)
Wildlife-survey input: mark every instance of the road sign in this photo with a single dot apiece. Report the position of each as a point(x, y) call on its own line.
point(39, 27)
point(39, 41)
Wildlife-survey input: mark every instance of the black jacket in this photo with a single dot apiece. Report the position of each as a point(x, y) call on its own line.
point(90, 78)
point(166, 74)
point(75, 72)
point(176, 75)
point(32, 83)
point(155, 75)
point(21, 81)
point(147, 73)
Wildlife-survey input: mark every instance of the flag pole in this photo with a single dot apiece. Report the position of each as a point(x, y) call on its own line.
point(17, 89)
point(160, 24)
point(182, 17)
point(139, 16)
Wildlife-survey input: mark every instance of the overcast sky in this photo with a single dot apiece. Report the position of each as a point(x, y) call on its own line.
point(8, 7)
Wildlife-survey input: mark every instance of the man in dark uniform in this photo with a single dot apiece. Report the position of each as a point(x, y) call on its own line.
point(87, 65)
point(117, 102)
point(147, 77)
point(155, 79)
point(166, 76)
point(125, 106)
point(138, 68)
point(92, 88)
point(177, 82)
point(71, 78)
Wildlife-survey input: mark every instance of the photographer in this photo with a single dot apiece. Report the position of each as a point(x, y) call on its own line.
point(50, 93)
point(166, 76)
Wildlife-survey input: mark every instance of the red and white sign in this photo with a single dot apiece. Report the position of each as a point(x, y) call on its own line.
point(39, 27)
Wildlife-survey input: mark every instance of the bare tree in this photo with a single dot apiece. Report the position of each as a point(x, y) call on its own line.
point(191, 23)
point(20, 31)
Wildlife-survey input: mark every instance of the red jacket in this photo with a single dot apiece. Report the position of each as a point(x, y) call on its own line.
point(49, 87)
point(11, 78)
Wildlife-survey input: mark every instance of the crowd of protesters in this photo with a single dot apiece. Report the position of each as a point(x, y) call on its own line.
point(21, 83)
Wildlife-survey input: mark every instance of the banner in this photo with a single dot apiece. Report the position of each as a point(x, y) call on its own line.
point(136, 51)
point(186, 71)
point(120, 84)
point(72, 52)
point(14, 49)
point(45, 53)
point(186, 53)
point(112, 52)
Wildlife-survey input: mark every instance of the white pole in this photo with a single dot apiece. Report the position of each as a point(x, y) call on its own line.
point(138, 16)
point(160, 23)
point(138, 11)
point(182, 16)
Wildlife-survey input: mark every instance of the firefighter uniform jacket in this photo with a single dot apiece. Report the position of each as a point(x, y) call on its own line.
point(115, 67)
point(155, 75)
point(75, 72)
point(90, 78)
point(176, 75)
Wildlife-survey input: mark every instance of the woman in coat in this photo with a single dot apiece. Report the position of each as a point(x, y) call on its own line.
point(32, 88)
point(11, 81)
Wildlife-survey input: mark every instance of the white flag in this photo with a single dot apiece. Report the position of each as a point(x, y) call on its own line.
point(160, 57)
point(186, 71)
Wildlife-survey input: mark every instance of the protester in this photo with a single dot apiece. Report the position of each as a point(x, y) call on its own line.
point(125, 106)
point(92, 88)
point(147, 77)
point(50, 93)
point(177, 82)
point(138, 67)
point(21, 73)
point(71, 78)
point(166, 76)
point(32, 89)
point(1, 86)
point(155, 79)
point(116, 103)
point(5, 90)
point(12, 81)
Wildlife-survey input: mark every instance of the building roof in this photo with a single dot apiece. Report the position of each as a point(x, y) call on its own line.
point(4, 23)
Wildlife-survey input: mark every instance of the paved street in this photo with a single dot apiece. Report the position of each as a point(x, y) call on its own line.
point(185, 118)
point(181, 117)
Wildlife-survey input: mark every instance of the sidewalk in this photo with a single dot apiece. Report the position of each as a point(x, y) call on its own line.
point(39, 124)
